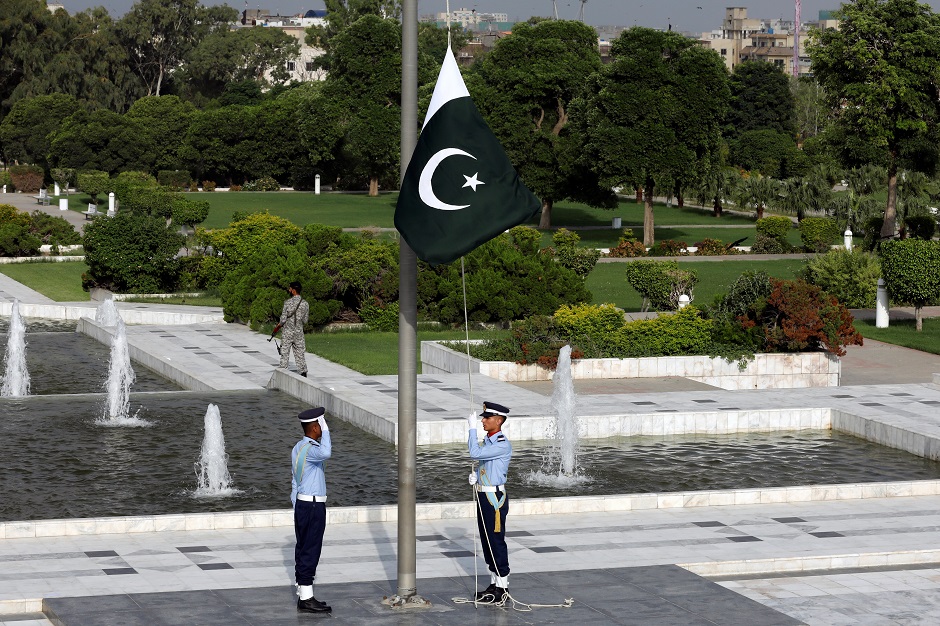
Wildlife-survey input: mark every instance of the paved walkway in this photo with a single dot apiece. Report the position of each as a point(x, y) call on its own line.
point(846, 556)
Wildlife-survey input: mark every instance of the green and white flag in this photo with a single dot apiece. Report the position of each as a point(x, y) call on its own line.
point(460, 189)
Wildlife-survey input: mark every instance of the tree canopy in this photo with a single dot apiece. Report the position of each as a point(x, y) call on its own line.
point(881, 79)
point(654, 112)
point(524, 89)
point(760, 99)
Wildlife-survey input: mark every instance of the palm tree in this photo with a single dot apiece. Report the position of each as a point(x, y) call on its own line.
point(756, 191)
point(801, 195)
point(717, 187)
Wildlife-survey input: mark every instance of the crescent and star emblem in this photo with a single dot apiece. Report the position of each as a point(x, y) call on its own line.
point(424, 182)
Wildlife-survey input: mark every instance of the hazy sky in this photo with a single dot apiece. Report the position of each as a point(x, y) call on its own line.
point(685, 15)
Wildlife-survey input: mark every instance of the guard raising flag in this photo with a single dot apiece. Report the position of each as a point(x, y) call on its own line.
point(460, 189)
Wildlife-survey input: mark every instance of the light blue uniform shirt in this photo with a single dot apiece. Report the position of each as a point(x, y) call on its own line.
point(313, 479)
point(494, 455)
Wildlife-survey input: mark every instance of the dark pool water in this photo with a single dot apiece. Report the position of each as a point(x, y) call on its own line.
point(79, 364)
point(56, 462)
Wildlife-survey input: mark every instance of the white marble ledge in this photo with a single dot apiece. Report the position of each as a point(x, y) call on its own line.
point(19, 606)
point(278, 518)
point(811, 563)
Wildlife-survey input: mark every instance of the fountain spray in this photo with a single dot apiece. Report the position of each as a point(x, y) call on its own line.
point(16, 376)
point(212, 466)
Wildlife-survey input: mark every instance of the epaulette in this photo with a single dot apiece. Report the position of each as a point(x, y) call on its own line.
point(500, 438)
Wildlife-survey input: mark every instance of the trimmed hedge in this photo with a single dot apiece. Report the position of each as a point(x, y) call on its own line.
point(818, 233)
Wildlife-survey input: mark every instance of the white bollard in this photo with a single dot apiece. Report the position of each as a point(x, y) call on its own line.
point(847, 239)
point(316, 185)
point(683, 301)
point(63, 204)
point(4, 189)
point(57, 190)
point(881, 306)
point(111, 203)
point(615, 223)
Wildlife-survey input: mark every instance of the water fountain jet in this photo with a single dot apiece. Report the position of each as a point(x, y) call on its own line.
point(212, 466)
point(560, 466)
point(16, 376)
point(107, 314)
point(120, 377)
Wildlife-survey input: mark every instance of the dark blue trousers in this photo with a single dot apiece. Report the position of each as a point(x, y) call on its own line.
point(495, 551)
point(309, 524)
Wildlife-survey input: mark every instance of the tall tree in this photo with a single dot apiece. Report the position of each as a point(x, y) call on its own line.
point(252, 53)
point(524, 89)
point(24, 131)
point(24, 28)
point(340, 15)
point(159, 34)
point(760, 99)
point(163, 121)
point(809, 104)
point(354, 122)
point(654, 112)
point(881, 77)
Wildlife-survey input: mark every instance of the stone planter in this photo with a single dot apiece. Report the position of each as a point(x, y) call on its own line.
point(766, 371)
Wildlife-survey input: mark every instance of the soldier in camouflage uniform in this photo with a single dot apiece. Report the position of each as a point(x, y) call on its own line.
point(294, 315)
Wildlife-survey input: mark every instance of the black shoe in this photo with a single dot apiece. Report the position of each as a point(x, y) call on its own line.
point(488, 595)
point(312, 605)
point(304, 374)
point(500, 595)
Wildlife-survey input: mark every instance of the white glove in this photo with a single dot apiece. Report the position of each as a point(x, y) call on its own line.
point(323, 426)
point(473, 478)
point(473, 422)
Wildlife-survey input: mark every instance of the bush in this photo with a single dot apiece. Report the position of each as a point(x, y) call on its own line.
point(265, 183)
point(685, 332)
point(94, 182)
point(580, 260)
point(818, 233)
point(53, 230)
point(911, 271)
point(175, 180)
point(27, 178)
point(235, 188)
point(850, 276)
point(254, 290)
point(775, 226)
point(152, 201)
point(254, 231)
point(799, 317)
point(384, 319)
point(920, 226)
point(590, 326)
point(713, 247)
point(506, 280)
point(15, 236)
point(124, 182)
point(628, 246)
point(131, 253)
point(660, 283)
point(65, 176)
point(764, 244)
point(872, 230)
point(188, 212)
point(208, 185)
point(669, 247)
point(6, 180)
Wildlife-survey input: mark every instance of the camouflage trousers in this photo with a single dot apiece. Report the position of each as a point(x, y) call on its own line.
point(294, 339)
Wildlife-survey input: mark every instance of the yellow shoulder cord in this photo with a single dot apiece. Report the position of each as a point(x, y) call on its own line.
point(491, 496)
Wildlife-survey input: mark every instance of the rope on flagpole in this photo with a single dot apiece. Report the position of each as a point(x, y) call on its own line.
point(466, 326)
point(448, 23)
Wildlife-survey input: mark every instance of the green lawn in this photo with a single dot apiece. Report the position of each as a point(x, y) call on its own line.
point(302, 207)
point(375, 353)
point(903, 333)
point(357, 210)
point(60, 281)
point(608, 284)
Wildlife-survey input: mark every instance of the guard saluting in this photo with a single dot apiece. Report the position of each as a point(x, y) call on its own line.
point(492, 502)
point(308, 495)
